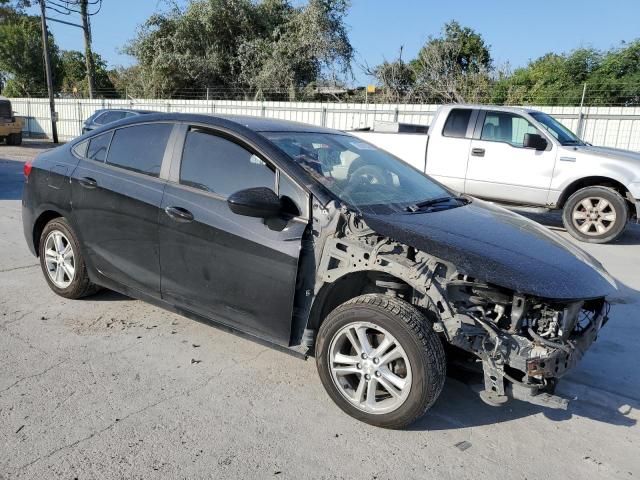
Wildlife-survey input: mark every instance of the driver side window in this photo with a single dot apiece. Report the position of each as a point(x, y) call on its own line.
point(506, 128)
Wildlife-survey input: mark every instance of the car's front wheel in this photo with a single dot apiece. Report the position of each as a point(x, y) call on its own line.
point(380, 360)
point(61, 261)
point(595, 214)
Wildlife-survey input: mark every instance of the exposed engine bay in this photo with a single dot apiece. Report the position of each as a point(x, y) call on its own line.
point(522, 344)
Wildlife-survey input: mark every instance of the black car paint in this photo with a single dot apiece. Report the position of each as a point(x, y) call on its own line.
point(497, 246)
point(236, 270)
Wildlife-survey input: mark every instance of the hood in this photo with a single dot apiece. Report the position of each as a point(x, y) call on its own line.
point(627, 156)
point(497, 246)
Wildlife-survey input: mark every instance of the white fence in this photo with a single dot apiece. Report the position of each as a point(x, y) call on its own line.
point(606, 126)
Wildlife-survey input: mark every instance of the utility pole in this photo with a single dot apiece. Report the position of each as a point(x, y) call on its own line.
point(47, 66)
point(88, 55)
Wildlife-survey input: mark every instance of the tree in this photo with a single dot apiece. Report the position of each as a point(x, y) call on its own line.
point(242, 46)
point(396, 78)
point(74, 74)
point(21, 60)
point(612, 78)
point(454, 67)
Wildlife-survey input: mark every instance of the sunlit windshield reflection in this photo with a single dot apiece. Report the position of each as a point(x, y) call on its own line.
point(357, 172)
point(555, 128)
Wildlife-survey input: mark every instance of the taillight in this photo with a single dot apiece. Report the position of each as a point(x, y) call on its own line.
point(27, 168)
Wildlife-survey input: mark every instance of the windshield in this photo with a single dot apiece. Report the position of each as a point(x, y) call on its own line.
point(555, 128)
point(357, 172)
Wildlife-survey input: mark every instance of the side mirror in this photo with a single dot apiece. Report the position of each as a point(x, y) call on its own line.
point(533, 140)
point(260, 202)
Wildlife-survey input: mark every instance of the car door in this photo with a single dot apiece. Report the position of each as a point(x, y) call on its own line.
point(500, 168)
point(116, 193)
point(448, 150)
point(238, 270)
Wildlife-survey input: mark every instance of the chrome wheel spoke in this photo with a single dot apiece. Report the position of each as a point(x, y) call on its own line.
point(365, 346)
point(346, 370)
point(397, 382)
point(586, 204)
point(345, 359)
point(371, 394)
point(390, 357)
point(389, 388)
point(580, 215)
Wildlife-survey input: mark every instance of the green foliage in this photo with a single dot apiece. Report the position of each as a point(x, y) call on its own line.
point(612, 78)
point(240, 45)
point(74, 74)
point(21, 62)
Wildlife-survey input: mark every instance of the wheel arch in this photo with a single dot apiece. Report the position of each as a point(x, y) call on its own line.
point(593, 181)
point(343, 289)
point(38, 226)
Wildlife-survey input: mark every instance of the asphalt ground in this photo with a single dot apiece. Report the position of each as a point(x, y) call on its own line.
point(110, 387)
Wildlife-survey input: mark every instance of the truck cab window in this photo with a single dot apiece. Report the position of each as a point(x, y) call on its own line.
point(507, 128)
point(457, 123)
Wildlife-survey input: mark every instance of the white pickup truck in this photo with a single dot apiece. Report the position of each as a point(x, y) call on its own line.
point(523, 158)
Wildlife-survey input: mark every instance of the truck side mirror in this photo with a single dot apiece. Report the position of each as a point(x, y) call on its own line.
point(534, 140)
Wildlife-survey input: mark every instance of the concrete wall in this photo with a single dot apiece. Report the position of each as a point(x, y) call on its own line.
point(606, 126)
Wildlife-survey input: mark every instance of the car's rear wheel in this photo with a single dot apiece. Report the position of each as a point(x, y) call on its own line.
point(380, 360)
point(595, 214)
point(61, 261)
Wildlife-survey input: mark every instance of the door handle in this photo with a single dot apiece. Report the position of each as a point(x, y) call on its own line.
point(179, 214)
point(88, 182)
point(477, 152)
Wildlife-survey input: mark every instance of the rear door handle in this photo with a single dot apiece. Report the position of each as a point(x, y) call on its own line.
point(179, 214)
point(88, 182)
point(477, 152)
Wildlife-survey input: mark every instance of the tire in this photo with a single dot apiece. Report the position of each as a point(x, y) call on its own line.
point(17, 138)
point(75, 285)
point(418, 344)
point(595, 214)
point(9, 139)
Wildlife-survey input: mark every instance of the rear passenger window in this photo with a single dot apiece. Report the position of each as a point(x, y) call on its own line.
point(457, 123)
point(215, 164)
point(140, 148)
point(98, 147)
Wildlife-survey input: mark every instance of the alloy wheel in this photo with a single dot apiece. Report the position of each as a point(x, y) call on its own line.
point(369, 367)
point(59, 259)
point(594, 216)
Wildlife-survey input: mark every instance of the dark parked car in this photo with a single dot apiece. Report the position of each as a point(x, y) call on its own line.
point(317, 243)
point(109, 115)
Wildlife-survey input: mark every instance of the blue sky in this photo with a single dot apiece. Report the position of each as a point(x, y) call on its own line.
point(517, 31)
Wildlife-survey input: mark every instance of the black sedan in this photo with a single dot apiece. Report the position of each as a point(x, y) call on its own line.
point(317, 243)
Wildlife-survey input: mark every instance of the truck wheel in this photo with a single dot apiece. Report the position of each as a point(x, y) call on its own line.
point(9, 139)
point(17, 138)
point(380, 360)
point(595, 214)
point(62, 262)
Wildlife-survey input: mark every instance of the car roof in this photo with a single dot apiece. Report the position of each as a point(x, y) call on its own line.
point(497, 108)
point(256, 124)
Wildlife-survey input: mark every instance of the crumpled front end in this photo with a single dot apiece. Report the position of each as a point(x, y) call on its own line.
point(522, 342)
point(525, 344)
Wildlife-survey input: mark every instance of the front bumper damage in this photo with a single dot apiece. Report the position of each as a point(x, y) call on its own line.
point(521, 342)
point(526, 370)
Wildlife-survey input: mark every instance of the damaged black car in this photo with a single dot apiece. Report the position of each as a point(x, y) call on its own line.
point(319, 244)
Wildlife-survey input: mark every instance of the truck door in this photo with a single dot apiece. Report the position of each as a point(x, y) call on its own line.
point(448, 149)
point(500, 168)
